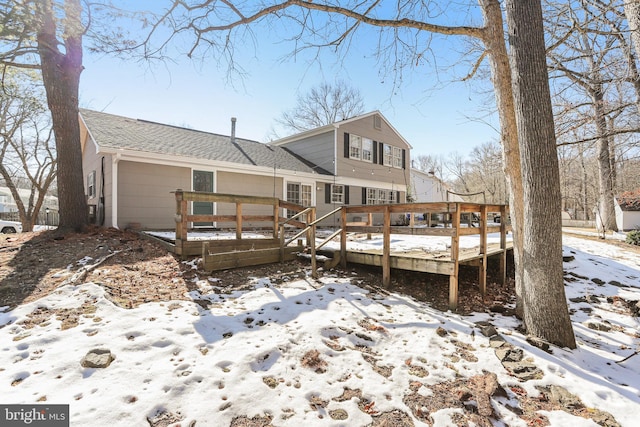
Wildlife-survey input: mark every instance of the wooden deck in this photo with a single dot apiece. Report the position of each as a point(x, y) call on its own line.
point(420, 260)
point(239, 252)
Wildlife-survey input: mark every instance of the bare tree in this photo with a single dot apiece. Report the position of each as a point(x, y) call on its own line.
point(632, 12)
point(545, 304)
point(593, 68)
point(26, 144)
point(429, 163)
point(47, 35)
point(324, 104)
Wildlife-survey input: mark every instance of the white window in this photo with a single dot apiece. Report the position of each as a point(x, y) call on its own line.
point(299, 194)
point(91, 184)
point(397, 157)
point(387, 154)
point(367, 150)
point(378, 196)
point(355, 147)
point(372, 196)
point(337, 193)
point(382, 197)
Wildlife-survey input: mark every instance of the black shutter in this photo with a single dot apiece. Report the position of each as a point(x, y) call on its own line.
point(327, 194)
point(397, 197)
point(346, 145)
point(404, 161)
point(375, 152)
point(381, 154)
point(364, 195)
point(346, 194)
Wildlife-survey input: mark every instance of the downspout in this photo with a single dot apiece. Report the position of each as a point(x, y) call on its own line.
point(114, 190)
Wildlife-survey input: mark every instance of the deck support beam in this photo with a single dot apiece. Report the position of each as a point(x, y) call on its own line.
point(482, 271)
point(503, 244)
point(455, 253)
point(386, 248)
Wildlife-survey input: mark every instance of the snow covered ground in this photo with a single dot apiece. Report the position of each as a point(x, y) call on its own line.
point(292, 349)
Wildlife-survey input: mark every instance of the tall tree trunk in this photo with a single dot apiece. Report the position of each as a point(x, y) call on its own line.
point(545, 304)
point(61, 78)
point(501, 76)
point(632, 12)
point(584, 186)
point(606, 208)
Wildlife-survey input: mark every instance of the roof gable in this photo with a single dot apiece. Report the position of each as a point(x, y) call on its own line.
point(330, 127)
point(112, 132)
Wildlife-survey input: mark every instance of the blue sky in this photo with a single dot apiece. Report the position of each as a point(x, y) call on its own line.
point(428, 109)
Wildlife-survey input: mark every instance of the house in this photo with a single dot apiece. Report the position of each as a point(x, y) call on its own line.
point(366, 157)
point(132, 166)
point(627, 208)
point(9, 207)
point(426, 187)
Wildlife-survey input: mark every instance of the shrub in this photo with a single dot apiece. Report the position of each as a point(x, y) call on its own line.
point(633, 237)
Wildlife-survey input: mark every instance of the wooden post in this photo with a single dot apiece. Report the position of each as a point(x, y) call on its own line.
point(455, 253)
point(412, 219)
point(312, 243)
point(178, 219)
point(343, 237)
point(239, 221)
point(503, 243)
point(386, 248)
point(282, 243)
point(482, 273)
point(181, 223)
point(369, 223)
point(428, 218)
point(276, 218)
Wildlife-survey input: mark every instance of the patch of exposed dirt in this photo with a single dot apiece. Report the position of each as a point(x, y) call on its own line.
point(137, 270)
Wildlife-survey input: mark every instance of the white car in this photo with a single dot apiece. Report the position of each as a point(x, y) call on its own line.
point(10, 227)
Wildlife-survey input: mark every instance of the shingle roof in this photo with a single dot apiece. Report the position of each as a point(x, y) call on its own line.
point(629, 201)
point(117, 132)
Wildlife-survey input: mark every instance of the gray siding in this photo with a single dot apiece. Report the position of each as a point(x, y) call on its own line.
point(93, 162)
point(144, 194)
point(246, 185)
point(318, 149)
point(355, 198)
point(365, 170)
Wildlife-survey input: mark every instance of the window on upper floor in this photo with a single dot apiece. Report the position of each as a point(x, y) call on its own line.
point(358, 147)
point(387, 155)
point(397, 157)
point(367, 150)
point(355, 147)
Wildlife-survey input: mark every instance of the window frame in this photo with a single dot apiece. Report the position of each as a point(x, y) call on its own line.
point(91, 184)
point(366, 154)
point(355, 147)
point(397, 157)
point(387, 155)
point(372, 196)
point(338, 198)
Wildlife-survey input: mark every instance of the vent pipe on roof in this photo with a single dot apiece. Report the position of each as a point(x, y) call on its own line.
point(233, 130)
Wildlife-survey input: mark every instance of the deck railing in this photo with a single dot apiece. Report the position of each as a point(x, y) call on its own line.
point(185, 220)
point(453, 214)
